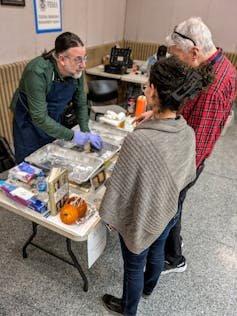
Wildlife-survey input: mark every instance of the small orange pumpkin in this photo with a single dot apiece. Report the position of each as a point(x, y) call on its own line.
point(70, 213)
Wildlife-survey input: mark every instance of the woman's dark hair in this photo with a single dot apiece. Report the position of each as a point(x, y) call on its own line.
point(161, 52)
point(176, 81)
point(63, 42)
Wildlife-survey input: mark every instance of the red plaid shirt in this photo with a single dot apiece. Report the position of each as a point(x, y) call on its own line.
point(207, 113)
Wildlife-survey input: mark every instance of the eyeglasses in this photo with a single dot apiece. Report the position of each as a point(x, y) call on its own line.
point(183, 36)
point(78, 60)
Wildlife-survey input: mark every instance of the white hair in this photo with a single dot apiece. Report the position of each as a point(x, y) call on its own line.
point(197, 31)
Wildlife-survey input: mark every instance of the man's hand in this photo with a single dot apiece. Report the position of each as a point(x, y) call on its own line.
point(80, 138)
point(95, 140)
point(143, 117)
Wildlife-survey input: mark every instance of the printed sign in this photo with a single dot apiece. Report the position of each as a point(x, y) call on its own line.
point(48, 15)
point(96, 243)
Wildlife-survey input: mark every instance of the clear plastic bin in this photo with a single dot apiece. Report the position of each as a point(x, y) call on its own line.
point(79, 165)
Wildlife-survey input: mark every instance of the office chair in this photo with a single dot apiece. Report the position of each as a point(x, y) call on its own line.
point(100, 92)
point(7, 158)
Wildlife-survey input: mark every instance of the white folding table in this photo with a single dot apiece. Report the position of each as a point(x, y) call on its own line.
point(132, 77)
point(70, 232)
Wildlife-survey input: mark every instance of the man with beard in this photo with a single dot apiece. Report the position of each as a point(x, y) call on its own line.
point(48, 84)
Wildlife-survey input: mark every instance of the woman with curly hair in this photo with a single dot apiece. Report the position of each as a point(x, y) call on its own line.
point(156, 162)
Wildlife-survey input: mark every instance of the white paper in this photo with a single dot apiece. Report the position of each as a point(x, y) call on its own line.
point(22, 193)
point(96, 243)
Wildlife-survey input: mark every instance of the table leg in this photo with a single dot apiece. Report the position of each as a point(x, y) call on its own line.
point(34, 227)
point(77, 265)
point(74, 262)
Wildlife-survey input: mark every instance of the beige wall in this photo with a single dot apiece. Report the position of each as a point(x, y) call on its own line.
point(95, 21)
point(151, 20)
point(103, 21)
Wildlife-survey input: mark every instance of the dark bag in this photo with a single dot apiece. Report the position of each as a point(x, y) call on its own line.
point(69, 119)
point(7, 158)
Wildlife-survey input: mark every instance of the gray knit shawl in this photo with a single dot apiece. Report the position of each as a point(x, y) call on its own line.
point(155, 163)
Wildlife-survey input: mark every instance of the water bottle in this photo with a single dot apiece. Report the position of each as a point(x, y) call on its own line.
point(41, 187)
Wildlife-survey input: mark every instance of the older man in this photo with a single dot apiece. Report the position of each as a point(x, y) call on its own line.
point(49, 82)
point(191, 41)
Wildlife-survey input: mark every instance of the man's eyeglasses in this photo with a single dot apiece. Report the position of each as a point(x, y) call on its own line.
point(184, 36)
point(78, 60)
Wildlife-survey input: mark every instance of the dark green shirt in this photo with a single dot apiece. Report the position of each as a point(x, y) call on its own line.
point(36, 83)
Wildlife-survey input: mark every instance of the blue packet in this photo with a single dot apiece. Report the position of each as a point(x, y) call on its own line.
point(24, 166)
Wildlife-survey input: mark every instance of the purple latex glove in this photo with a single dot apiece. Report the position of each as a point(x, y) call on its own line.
point(80, 138)
point(95, 141)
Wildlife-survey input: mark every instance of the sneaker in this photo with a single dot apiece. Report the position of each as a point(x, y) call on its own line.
point(169, 268)
point(112, 304)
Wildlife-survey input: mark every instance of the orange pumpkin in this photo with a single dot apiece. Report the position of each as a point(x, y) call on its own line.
point(70, 213)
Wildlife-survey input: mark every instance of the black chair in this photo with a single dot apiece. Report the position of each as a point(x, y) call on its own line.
point(7, 158)
point(161, 52)
point(101, 93)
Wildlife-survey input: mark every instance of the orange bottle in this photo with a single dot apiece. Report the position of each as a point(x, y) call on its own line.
point(140, 105)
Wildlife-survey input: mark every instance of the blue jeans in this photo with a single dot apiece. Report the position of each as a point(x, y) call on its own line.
point(136, 281)
point(173, 249)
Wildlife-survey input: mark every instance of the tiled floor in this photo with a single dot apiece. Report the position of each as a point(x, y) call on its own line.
point(43, 285)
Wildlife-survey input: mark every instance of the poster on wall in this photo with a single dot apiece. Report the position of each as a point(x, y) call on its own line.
point(48, 15)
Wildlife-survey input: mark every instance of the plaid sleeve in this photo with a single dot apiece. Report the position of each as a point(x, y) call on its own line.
point(209, 111)
point(208, 123)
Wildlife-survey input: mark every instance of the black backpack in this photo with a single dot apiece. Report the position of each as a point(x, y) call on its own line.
point(7, 159)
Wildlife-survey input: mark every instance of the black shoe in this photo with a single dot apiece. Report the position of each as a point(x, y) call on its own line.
point(169, 268)
point(112, 304)
point(145, 295)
